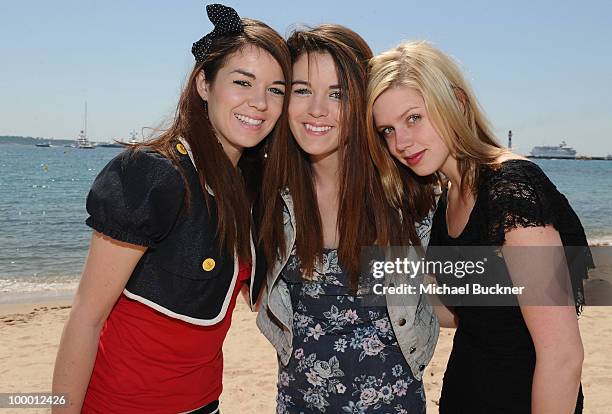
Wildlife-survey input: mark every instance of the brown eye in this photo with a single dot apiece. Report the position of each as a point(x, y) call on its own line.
point(385, 132)
point(336, 95)
point(301, 91)
point(277, 91)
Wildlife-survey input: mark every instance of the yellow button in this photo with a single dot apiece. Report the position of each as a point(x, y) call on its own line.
point(181, 148)
point(208, 264)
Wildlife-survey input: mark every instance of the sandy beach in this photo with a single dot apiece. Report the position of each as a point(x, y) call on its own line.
point(31, 332)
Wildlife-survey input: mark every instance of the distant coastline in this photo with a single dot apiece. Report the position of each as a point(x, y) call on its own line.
point(53, 142)
point(21, 140)
point(13, 139)
point(577, 158)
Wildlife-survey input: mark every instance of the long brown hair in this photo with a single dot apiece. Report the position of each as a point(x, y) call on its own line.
point(233, 194)
point(364, 216)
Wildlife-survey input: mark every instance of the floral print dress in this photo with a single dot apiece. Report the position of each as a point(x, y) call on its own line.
point(345, 356)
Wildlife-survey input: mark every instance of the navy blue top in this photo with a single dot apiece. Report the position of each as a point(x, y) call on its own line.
point(345, 354)
point(139, 198)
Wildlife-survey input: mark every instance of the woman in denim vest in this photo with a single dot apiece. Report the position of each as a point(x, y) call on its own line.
point(324, 201)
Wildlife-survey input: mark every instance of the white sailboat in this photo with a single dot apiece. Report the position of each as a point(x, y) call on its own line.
point(82, 142)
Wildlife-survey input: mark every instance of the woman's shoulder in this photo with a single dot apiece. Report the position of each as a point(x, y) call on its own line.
point(517, 193)
point(514, 177)
point(143, 161)
point(136, 197)
point(517, 182)
point(521, 168)
point(142, 169)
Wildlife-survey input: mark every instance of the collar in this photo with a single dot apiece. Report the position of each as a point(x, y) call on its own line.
point(185, 147)
point(286, 196)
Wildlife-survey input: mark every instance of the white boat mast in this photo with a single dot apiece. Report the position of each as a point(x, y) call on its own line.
point(82, 141)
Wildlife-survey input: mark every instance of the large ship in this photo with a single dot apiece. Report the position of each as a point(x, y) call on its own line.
point(560, 151)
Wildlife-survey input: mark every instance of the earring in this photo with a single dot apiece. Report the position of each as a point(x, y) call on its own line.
point(205, 105)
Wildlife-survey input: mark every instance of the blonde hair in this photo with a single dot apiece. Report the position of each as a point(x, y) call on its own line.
point(450, 103)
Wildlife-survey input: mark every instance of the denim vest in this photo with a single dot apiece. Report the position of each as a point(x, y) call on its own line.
point(414, 322)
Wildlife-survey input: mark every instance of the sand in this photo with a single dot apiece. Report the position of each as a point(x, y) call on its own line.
point(30, 334)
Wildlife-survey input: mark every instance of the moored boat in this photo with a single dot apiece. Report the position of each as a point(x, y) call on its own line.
point(82, 142)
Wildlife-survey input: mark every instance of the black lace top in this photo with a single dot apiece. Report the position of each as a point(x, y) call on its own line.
point(492, 363)
point(518, 194)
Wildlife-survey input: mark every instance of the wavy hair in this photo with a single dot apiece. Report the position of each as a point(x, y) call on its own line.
point(234, 194)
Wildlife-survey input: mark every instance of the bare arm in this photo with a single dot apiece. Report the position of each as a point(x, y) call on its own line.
point(554, 331)
point(107, 269)
point(246, 295)
point(446, 315)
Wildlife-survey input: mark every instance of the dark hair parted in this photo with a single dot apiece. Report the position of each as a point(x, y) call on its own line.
point(364, 215)
point(233, 194)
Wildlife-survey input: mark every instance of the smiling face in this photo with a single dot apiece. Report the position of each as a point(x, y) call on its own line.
point(245, 99)
point(314, 108)
point(402, 120)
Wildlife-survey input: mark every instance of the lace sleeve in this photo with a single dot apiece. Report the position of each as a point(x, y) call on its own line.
point(519, 197)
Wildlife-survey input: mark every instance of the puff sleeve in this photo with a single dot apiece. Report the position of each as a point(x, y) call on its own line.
point(136, 198)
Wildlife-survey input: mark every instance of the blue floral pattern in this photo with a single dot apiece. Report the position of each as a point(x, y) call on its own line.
point(345, 356)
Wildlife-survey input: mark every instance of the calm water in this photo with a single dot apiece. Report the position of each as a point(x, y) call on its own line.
point(43, 238)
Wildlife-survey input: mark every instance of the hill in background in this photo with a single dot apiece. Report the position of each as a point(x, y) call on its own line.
point(11, 139)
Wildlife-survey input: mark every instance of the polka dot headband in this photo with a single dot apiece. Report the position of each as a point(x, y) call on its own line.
point(226, 21)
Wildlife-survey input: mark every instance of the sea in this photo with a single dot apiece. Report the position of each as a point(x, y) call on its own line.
point(44, 239)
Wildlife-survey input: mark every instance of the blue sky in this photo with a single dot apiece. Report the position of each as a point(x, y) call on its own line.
point(540, 68)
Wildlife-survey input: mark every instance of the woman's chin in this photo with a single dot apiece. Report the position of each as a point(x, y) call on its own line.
point(420, 170)
point(319, 152)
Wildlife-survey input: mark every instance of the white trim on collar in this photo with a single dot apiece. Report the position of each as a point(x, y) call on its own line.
point(186, 145)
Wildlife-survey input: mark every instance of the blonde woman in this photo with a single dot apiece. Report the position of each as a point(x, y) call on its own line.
point(425, 121)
